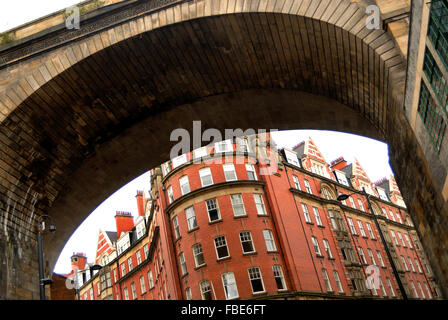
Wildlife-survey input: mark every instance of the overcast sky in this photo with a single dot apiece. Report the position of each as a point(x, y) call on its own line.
point(372, 155)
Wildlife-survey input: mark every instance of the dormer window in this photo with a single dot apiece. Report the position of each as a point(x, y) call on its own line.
point(291, 157)
point(342, 179)
point(180, 160)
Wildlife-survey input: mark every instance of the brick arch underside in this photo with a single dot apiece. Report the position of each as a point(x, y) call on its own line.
point(108, 118)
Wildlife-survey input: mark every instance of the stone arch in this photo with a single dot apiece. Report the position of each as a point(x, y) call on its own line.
point(327, 191)
point(82, 119)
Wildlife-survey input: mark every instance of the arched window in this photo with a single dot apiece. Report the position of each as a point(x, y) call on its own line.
point(327, 193)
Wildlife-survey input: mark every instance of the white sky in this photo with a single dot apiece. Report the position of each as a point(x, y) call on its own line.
point(372, 154)
point(17, 12)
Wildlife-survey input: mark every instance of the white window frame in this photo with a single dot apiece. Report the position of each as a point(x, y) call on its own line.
point(261, 208)
point(326, 280)
point(255, 274)
point(229, 172)
point(197, 251)
point(278, 274)
point(222, 243)
point(176, 227)
point(142, 284)
point(337, 279)
point(184, 184)
point(327, 248)
point(200, 152)
point(316, 246)
point(238, 205)
point(306, 213)
point(296, 182)
point(208, 205)
point(291, 157)
point(170, 194)
point(190, 216)
point(317, 216)
point(269, 240)
point(380, 258)
point(361, 229)
point(370, 230)
point(307, 186)
point(229, 285)
point(251, 169)
point(205, 173)
point(180, 160)
point(183, 263)
point(224, 146)
point(246, 236)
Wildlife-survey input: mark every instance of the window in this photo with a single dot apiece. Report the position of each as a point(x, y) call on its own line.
point(408, 240)
point(229, 283)
point(391, 288)
point(206, 177)
point(115, 275)
point(188, 294)
point(224, 146)
point(398, 217)
point(307, 186)
point(383, 290)
point(180, 160)
point(428, 292)
point(206, 291)
point(98, 288)
point(221, 247)
point(326, 280)
point(134, 291)
point(361, 254)
point(138, 255)
point(269, 239)
point(279, 277)
point(246, 242)
point(418, 265)
point(338, 281)
point(213, 210)
point(146, 251)
point(380, 258)
point(198, 255)
point(317, 216)
point(404, 263)
point(259, 203)
point(382, 194)
point(130, 264)
point(123, 269)
point(150, 279)
point(237, 205)
point(319, 169)
point(200, 152)
point(183, 264)
point(361, 228)
point(327, 248)
point(291, 157)
point(184, 185)
point(342, 179)
point(126, 294)
point(333, 220)
point(352, 202)
point(394, 237)
point(421, 290)
point(316, 246)
point(142, 284)
point(401, 239)
point(251, 174)
point(296, 182)
point(411, 264)
point(191, 218)
point(176, 227)
point(369, 229)
point(243, 145)
point(361, 206)
point(255, 280)
point(170, 194)
point(306, 213)
point(229, 172)
point(372, 258)
point(392, 217)
point(414, 291)
point(327, 194)
point(352, 226)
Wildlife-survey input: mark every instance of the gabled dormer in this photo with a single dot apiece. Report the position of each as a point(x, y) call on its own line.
point(312, 159)
point(360, 179)
point(106, 250)
point(391, 189)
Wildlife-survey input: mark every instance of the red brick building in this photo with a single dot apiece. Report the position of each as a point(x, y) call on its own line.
point(212, 230)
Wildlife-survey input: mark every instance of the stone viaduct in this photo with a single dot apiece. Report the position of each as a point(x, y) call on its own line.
point(84, 111)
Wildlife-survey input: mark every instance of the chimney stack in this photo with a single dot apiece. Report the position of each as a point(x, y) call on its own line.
point(124, 222)
point(338, 164)
point(79, 261)
point(140, 206)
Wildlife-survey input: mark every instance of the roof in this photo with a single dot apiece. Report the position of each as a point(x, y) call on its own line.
point(112, 236)
point(299, 149)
